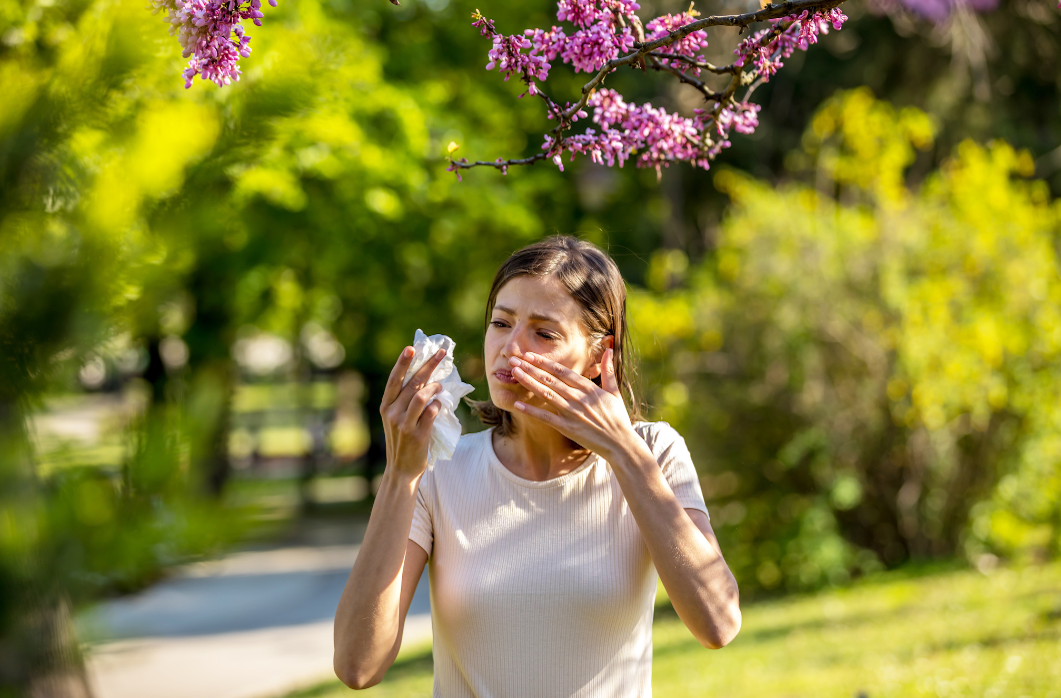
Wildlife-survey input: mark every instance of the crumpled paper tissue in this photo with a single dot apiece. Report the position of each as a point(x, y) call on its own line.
point(446, 430)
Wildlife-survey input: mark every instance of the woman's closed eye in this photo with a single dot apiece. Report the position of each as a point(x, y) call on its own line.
point(549, 336)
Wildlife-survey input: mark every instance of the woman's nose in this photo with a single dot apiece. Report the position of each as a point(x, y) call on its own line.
point(513, 347)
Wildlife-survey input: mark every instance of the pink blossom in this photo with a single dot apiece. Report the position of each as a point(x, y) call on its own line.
point(690, 45)
point(654, 136)
point(584, 13)
point(768, 48)
point(484, 25)
point(508, 56)
point(622, 131)
point(211, 35)
point(589, 49)
point(578, 12)
point(547, 43)
point(742, 117)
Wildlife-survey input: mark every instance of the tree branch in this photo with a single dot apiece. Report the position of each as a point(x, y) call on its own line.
point(709, 94)
point(499, 164)
point(773, 11)
point(650, 49)
point(703, 65)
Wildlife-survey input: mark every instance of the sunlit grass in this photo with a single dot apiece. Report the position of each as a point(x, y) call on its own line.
point(957, 633)
point(410, 675)
point(907, 633)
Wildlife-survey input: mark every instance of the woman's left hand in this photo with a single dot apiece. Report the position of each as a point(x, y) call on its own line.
point(593, 416)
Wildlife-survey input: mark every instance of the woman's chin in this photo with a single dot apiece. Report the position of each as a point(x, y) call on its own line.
point(503, 399)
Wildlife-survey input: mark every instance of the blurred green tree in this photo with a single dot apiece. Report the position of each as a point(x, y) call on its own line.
point(71, 183)
point(132, 209)
point(324, 207)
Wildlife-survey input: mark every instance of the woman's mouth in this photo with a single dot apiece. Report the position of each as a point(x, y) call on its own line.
point(505, 376)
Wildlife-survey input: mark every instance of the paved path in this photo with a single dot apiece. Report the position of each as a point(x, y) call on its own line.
point(253, 624)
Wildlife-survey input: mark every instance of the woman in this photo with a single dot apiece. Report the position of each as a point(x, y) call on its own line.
point(546, 532)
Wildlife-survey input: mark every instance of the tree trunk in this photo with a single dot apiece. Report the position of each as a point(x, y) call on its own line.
point(39, 652)
point(375, 458)
point(48, 660)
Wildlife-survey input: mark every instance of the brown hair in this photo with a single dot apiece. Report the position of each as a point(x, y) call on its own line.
point(593, 280)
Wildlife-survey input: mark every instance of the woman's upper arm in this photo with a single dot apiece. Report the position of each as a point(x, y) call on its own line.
point(415, 560)
point(704, 524)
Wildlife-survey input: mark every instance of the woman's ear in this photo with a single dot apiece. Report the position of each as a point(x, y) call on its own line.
point(594, 371)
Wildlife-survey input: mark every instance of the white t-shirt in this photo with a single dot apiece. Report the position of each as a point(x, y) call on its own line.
point(541, 589)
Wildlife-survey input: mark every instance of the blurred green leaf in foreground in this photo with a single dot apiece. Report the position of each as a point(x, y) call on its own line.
point(171, 223)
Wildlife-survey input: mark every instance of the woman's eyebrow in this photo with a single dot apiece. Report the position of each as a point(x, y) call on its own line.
point(533, 316)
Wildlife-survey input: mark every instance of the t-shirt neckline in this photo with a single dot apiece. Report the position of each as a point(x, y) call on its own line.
point(559, 481)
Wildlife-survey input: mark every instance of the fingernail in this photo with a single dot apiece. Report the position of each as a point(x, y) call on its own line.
point(408, 352)
point(514, 361)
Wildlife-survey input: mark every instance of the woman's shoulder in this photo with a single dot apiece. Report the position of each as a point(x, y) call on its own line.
point(659, 436)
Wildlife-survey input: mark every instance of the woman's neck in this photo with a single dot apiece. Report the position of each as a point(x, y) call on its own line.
point(536, 451)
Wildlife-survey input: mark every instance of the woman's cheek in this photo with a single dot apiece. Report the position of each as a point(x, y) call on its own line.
point(565, 358)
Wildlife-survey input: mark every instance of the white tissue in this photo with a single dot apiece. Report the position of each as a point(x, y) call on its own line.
point(446, 430)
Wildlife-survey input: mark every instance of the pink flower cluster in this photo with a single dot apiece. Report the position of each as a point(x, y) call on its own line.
point(654, 136)
point(585, 13)
point(690, 45)
point(211, 35)
point(742, 117)
point(507, 57)
point(507, 53)
point(587, 50)
point(770, 47)
point(651, 136)
point(599, 37)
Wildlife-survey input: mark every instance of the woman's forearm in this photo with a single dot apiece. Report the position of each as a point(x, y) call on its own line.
point(368, 620)
point(702, 589)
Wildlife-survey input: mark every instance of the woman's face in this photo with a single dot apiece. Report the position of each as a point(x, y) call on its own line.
point(536, 315)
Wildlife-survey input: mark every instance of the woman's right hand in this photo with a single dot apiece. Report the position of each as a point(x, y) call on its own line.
point(371, 613)
point(407, 416)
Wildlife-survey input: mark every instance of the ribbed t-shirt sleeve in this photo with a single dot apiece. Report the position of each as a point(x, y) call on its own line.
point(422, 531)
point(677, 463)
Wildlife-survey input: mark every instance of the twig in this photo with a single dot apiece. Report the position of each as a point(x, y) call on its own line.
point(499, 164)
point(709, 95)
point(751, 88)
point(703, 65)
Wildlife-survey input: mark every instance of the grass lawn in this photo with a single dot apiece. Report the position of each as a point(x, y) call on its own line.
point(953, 632)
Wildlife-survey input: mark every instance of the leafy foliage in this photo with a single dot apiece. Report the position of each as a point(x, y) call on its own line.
point(131, 209)
point(868, 361)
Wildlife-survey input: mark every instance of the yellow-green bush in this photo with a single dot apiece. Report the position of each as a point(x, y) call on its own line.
point(869, 367)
